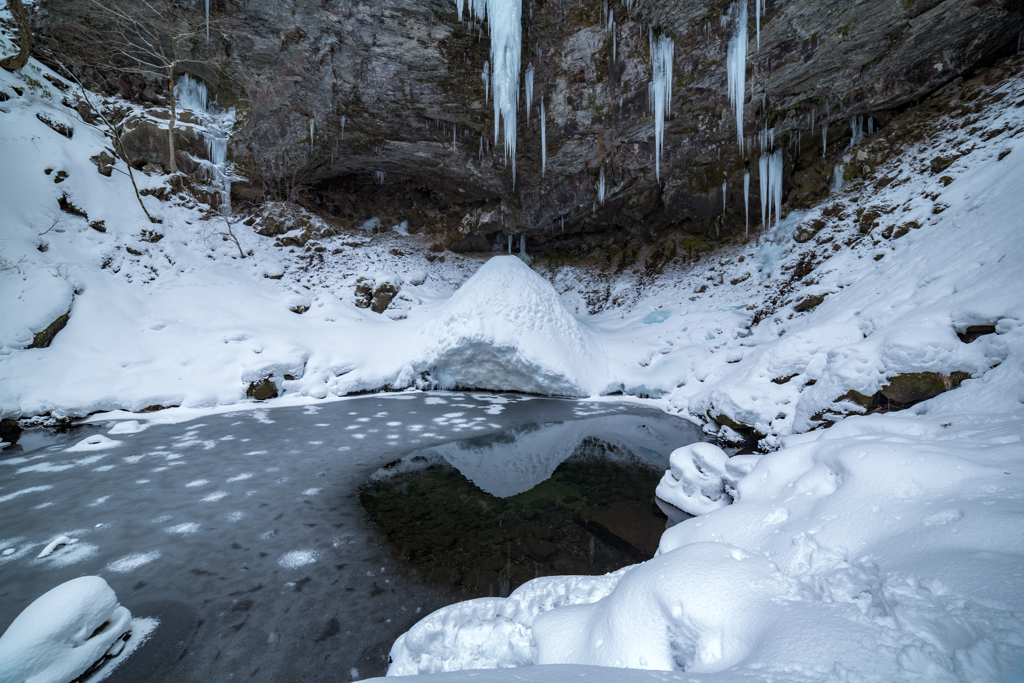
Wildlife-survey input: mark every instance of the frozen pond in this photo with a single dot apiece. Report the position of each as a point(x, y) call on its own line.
point(244, 534)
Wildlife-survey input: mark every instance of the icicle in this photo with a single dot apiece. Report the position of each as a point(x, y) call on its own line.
point(343, 127)
point(775, 182)
point(856, 130)
point(510, 244)
point(871, 125)
point(480, 154)
point(600, 187)
point(660, 92)
point(746, 200)
point(613, 46)
point(736, 67)
point(311, 134)
point(207, 21)
point(824, 139)
point(723, 196)
point(611, 20)
point(529, 89)
point(485, 76)
point(543, 140)
point(758, 8)
point(762, 167)
point(522, 245)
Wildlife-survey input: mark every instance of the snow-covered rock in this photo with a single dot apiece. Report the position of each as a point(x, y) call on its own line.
point(63, 633)
point(506, 329)
point(96, 442)
point(703, 478)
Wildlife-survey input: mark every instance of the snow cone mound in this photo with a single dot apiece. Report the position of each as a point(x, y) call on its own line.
point(64, 633)
point(506, 329)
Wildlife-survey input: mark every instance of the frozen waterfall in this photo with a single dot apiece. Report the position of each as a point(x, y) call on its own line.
point(660, 93)
point(736, 67)
point(505, 18)
point(192, 94)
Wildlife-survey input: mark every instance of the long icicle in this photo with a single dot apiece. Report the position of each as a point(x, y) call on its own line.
point(736, 67)
point(543, 140)
point(746, 201)
point(660, 93)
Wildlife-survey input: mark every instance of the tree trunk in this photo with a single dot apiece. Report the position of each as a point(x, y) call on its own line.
point(170, 124)
point(20, 14)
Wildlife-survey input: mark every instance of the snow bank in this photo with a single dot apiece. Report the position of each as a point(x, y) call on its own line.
point(64, 632)
point(506, 329)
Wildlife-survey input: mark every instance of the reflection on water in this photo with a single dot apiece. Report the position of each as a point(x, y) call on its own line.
point(490, 513)
point(243, 532)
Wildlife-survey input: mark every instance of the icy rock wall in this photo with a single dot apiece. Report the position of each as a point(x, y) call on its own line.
point(387, 69)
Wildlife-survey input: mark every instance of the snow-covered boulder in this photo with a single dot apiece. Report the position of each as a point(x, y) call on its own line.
point(506, 329)
point(703, 478)
point(63, 633)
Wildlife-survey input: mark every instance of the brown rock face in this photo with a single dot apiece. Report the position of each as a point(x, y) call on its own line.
point(401, 125)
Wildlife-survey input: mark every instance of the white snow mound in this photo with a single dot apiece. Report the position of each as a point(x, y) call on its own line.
point(59, 636)
point(703, 478)
point(506, 329)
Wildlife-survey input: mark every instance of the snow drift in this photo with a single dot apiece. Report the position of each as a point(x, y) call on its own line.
point(506, 329)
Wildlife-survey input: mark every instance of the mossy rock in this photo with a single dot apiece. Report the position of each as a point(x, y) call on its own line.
point(809, 303)
point(382, 297)
point(746, 431)
point(865, 402)
point(940, 163)
point(364, 293)
point(913, 387)
point(262, 390)
point(44, 338)
point(806, 231)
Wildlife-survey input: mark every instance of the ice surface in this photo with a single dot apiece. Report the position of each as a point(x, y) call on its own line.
point(59, 636)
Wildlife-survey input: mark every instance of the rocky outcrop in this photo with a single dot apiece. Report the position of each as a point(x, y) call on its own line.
point(44, 337)
point(380, 107)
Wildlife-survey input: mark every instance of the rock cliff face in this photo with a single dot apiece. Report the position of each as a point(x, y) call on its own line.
point(378, 107)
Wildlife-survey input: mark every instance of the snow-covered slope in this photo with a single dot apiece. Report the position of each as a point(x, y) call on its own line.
point(886, 547)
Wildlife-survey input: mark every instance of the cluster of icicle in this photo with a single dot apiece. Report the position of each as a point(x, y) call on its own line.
point(660, 91)
point(770, 170)
point(505, 18)
point(192, 94)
